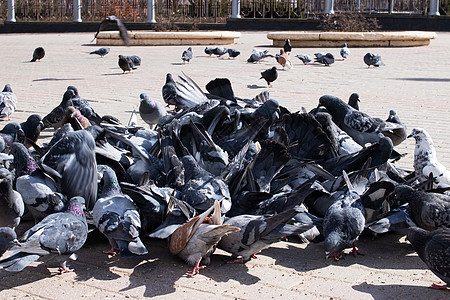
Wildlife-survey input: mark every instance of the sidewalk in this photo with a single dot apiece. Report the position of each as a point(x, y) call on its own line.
point(414, 82)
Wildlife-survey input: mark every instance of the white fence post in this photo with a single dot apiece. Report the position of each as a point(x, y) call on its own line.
point(77, 11)
point(434, 8)
point(329, 7)
point(151, 11)
point(11, 11)
point(236, 9)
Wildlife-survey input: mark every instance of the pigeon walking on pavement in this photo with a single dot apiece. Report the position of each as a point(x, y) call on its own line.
point(233, 53)
point(287, 47)
point(371, 59)
point(125, 63)
point(425, 159)
point(8, 102)
point(270, 75)
point(60, 234)
point(433, 249)
point(150, 110)
point(326, 59)
point(186, 56)
point(38, 54)
point(284, 60)
point(305, 58)
point(345, 52)
point(101, 51)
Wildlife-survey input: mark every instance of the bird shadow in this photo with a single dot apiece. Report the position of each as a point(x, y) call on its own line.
point(33, 274)
point(113, 74)
point(254, 86)
point(178, 64)
point(425, 79)
point(56, 79)
point(397, 291)
point(89, 45)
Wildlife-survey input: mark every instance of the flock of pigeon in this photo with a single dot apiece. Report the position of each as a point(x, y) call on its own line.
point(217, 171)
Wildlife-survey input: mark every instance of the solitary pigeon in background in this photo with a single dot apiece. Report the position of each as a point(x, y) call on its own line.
point(59, 233)
point(150, 110)
point(117, 217)
point(38, 54)
point(371, 59)
point(125, 63)
point(270, 75)
point(186, 56)
point(32, 129)
point(397, 135)
point(11, 203)
point(122, 29)
point(101, 51)
point(430, 211)
point(326, 59)
point(305, 58)
point(342, 224)
point(434, 249)
point(353, 101)
point(195, 240)
point(345, 52)
point(425, 159)
point(8, 239)
point(287, 46)
point(169, 90)
point(8, 102)
point(233, 53)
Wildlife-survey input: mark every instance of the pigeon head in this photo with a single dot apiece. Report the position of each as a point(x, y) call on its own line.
point(191, 167)
point(8, 238)
point(384, 151)
point(419, 134)
point(333, 243)
point(24, 163)
point(353, 100)
point(334, 105)
point(169, 78)
point(7, 88)
point(67, 98)
point(418, 238)
point(329, 55)
point(267, 109)
point(403, 193)
point(109, 185)
point(76, 206)
point(74, 89)
point(14, 130)
point(6, 177)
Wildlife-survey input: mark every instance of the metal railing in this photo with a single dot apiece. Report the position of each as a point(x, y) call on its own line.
point(200, 10)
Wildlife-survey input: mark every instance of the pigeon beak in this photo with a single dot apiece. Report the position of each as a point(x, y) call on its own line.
point(409, 136)
point(41, 124)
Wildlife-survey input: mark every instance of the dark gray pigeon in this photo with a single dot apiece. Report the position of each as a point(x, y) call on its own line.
point(396, 135)
point(11, 203)
point(125, 63)
point(136, 60)
point(209, 50)
point(233, 53)
point(8, 239)
point(72, 160)
point(117, 217)
point(342, 224)
point(84, 107)
point(169, 90)
point(38, 54)
point(353, 101)
point(186, 56)
point(219, 51)
point(61, 234)
point(150, 110)
point(270, 75)
point(101, 51)
point(434, 249)
point(305, 58)
point(287, 47)
point(371, 59)
point(258, 233)
point(8, 102)
point(122, 29)
point(430, 211)
point(326, 59)
point(55, 117)
point(32, 129)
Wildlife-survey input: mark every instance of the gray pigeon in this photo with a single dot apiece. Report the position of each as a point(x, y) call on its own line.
point(195, 240)
point(32, 129)
point(60, 233)
point(342, 224)
point(360, 126)
point(209, 50)
point(258, 55)
point(186, 56)
point(136, 60)
point(8, 239)
point(345, 52)
point(8, 102)
point(125, 63)
point(11, 203)
point(371, 59)
point(101, 51)
point(150, 110)
point(233, 53)
point(396, 135)
point(305, 58)
point(326, 59)
point(55, 117)
point(353, 101)
point(434, 249)
point(38, 54)
point(72, 160)
point(258, 233)
point(117, 217)
point(270, 75)
point(430, 211)
point(116, 21)
point(169, 90)
point(219, 51)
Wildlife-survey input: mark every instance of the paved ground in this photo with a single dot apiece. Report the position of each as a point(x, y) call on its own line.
point(414, 82)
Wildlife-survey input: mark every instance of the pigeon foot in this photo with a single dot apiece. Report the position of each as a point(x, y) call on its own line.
point(355, 251)
point(112, 251)
point(196, 269)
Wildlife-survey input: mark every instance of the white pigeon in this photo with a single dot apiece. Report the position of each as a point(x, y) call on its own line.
point(8, 102)
point(425, 159)
point(345, 52)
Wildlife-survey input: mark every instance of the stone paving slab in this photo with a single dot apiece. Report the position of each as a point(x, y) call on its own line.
point(414, 82)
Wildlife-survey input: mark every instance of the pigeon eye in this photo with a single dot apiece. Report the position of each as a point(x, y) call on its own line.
point(5, 236)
